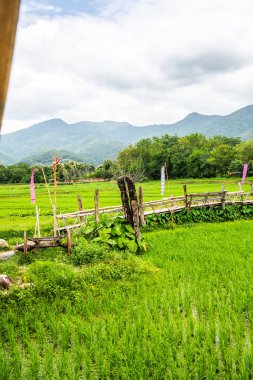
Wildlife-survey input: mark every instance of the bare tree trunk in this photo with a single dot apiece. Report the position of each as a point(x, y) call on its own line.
point(130, 203)
point(125, 200)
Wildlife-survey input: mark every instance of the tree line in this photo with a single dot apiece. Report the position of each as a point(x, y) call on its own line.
point(192, 156)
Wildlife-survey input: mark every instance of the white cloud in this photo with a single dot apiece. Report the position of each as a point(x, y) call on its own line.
point(142, 61)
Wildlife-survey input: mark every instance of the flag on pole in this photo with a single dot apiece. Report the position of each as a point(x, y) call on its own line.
point(32, 187)
point(245, 169)
point(162, 180)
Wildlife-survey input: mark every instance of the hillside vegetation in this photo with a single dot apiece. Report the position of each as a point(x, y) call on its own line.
point(192, 156)
point(94, 142)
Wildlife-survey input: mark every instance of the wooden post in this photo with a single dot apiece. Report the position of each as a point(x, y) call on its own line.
point(141, 208)
point(223, 198)
point(186, 198)
point(96, 206)
point(25, 244)
point(80, 206)
point(69, 242)
point(251, 189)
point(9, 11)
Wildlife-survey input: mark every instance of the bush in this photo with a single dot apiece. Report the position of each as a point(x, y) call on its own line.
point(87, 252)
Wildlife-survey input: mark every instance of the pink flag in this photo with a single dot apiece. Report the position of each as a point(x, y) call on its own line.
point(32, 187)
point(245, 169)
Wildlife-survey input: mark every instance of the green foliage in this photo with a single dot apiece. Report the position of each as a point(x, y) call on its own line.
point(114, 232)
point(192, 156)
point(9, 268)
point(86, 252)
point(49, 277)
point(196, 215)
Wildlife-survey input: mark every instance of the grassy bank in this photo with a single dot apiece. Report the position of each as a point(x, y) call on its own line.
point(184, 310)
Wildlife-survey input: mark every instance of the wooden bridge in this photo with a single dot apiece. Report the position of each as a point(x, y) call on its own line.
point(166, 205)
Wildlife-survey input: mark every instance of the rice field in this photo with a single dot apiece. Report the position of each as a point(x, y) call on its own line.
point(184, 310)
point(18, 214)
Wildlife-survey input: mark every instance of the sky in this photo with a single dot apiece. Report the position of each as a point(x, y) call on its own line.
point(140, 61)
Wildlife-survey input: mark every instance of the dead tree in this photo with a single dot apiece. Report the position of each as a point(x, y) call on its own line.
point(130, 202)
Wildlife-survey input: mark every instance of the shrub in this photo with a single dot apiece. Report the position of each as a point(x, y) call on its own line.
point(87, 252)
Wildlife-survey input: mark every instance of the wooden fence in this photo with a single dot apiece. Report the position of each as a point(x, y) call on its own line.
point(165, 205)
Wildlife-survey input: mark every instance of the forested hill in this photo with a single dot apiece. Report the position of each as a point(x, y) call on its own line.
point(93, 142)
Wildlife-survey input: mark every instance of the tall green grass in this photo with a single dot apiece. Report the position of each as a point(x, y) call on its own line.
point(184, 310)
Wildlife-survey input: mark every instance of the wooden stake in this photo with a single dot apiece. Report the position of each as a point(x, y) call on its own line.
point(80, 206)
point(25, 244)
point(96, 206)
point(69, 242)
point(141, 208)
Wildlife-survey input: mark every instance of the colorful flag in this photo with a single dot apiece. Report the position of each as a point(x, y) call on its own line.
point(162, 180)
point(245, 169)
point(32, 187)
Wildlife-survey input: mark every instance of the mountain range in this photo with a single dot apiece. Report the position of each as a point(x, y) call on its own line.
point(93, 142)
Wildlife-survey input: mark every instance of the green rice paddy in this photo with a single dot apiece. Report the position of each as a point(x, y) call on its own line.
point(183, 310)
point(187, 315)
point(18, 214)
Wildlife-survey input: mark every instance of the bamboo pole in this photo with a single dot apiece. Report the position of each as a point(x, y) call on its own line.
point(9, 12)
point(96, 202)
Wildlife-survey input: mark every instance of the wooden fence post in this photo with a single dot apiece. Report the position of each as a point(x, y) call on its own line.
point(80, 206)
point(223, 198)
point(186, 198)
point(69, 242)
point(96, 206)
point(141, 208)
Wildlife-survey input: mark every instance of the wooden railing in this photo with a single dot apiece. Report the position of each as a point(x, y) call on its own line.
point(165, 205)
